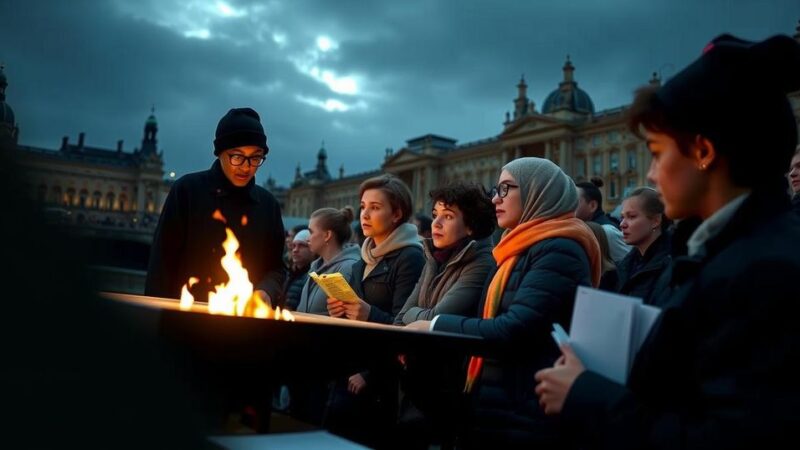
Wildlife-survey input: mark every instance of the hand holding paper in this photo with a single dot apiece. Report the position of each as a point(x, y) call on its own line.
point(335, 286)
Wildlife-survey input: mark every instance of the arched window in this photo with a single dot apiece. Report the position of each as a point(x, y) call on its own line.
point(150, 203)
point(110, 202)
point(70, 199)
point(123, 202)
point(97, 197)
point(83, 198)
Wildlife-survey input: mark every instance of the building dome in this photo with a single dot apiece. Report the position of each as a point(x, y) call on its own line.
point(568, 96)
point(575, 99)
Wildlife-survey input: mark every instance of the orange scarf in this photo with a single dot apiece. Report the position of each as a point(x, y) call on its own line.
point(519, 240)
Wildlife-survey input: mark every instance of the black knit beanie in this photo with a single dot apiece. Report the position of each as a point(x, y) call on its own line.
point(238, 128)
point(735, 95)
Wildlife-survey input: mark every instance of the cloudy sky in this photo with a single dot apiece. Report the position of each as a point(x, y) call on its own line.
point(362, 76)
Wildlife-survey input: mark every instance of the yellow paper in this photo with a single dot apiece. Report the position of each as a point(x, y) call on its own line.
point(335, 286)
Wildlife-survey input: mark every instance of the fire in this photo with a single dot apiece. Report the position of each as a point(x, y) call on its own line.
point(236, 297)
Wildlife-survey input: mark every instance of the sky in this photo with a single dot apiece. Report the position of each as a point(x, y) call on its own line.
point(360, 76)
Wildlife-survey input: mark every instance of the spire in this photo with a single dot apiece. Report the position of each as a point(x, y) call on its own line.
point(150, 131)
point(297, 175)
point(341, 171)
point(521, 103)
point(522, 87)
point(655, 80)
point(569, 69)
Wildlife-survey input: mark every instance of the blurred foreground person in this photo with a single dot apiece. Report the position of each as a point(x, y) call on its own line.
point(718, 369)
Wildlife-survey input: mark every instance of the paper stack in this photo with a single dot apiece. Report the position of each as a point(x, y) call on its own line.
point(607, 331)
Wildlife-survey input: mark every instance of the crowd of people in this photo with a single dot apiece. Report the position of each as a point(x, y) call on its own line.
point(710, 244)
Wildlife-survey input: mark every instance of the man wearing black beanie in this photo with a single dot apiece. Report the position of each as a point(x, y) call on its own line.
point(188, 240)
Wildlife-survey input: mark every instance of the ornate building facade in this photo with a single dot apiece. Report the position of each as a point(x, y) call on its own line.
point(101, 192)
point(585, 143)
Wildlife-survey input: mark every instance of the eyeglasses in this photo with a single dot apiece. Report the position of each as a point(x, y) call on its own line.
point(237, 159)
point(501, 190)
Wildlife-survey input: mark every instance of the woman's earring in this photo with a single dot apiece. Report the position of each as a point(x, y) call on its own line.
point(703, 167)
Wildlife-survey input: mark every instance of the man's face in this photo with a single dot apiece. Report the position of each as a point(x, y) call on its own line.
point(585, 209)
point(241, 163)
point(301, 254)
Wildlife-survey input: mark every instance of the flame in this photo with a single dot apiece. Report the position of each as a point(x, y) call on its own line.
point(236, 297)
point(186, 298)
point(218, 216)
point(244, 220)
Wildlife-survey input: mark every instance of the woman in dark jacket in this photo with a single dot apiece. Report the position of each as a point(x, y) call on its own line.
point(719, 369)
point(363, 407)
point(544, 255)
point(459, 261)
point(644, 226)
point(458, 256)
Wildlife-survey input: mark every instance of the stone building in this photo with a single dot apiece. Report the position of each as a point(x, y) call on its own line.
point(585, 143)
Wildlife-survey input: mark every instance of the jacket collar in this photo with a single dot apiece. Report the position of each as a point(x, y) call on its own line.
point(758, 209)
point(222, 187)
point(466, 254)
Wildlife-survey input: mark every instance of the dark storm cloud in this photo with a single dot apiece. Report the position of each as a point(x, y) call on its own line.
point(403, 68)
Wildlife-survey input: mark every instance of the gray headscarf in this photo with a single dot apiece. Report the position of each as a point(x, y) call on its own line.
point(545, 190)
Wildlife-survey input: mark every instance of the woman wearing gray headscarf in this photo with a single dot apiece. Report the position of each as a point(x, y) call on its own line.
point(544, 254)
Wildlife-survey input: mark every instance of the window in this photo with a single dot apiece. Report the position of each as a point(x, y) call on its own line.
point(613, 161)
point(110, 202)
point(83, 198)
point(69, 200)
point(613, 136)
point(597, 164)
point(123, 202)
point(612, 188)
point(580, 167)
point(596, 140)
point(632, 159)
point(96, 198)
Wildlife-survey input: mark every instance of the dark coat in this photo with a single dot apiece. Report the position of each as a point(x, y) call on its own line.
point(600, 217)
point(540, 291)
point(638, 275)
point(293, 288)
point(390, 283)
point(796, 203)
point(719, 370)
point(188, 241)
point(452, 289)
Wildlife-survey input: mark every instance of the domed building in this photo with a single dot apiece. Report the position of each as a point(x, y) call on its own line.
point(568, 98)
point(568, 130)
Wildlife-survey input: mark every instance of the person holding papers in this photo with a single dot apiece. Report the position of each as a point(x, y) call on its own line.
point(363, 406)
point(330, 231)
point(543, 256)
point(719, 369)
point(644, 226)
